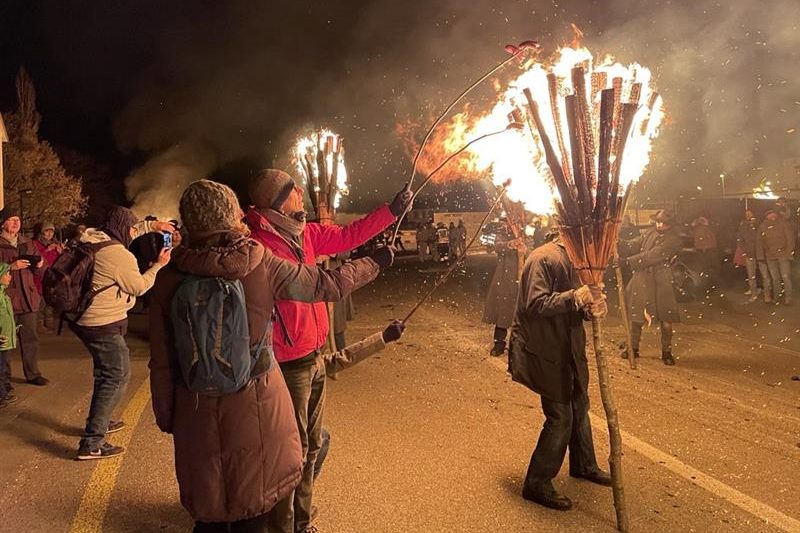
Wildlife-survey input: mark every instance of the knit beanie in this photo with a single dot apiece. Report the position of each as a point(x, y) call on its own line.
point(8, 212)
point(209, 206)
point(48, 225)
point(269, 188)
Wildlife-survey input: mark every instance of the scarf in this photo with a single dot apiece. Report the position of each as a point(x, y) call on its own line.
point(13, 240)
point(285, 223)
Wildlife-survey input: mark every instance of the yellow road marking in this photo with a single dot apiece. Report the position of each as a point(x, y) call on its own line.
point(768, 514)
point(97, 496)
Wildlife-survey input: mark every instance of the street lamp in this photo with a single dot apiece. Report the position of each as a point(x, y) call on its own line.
point(722, 177)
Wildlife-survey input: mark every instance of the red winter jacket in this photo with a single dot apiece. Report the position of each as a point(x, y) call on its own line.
point(307, 323)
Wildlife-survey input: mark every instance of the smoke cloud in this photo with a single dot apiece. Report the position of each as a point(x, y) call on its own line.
point(235, 81)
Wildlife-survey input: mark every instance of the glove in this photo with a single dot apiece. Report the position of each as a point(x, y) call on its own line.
point(598, 307)
point(384, 256)
point(583, 297)
point(402, 201)
point(393, 331)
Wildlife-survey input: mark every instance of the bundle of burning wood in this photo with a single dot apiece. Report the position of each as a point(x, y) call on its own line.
point(320, 158)
point(590, 203)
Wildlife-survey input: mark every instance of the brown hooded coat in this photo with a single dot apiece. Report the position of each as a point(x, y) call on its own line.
point(236, 455)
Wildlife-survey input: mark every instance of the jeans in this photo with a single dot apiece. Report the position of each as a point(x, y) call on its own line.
point(773, 272)
point(28, 343)
point(750, 265)
point(257, 524)
point(323, 452)
point(566, 426)
point(306, 384)
point(112, 363)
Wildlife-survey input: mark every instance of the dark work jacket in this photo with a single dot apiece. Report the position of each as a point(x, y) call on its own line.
point(548, 342)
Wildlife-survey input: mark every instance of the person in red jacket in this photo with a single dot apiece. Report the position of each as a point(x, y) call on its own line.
point(277, 220)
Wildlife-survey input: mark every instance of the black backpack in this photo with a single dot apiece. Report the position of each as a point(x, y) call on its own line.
point(67, 283)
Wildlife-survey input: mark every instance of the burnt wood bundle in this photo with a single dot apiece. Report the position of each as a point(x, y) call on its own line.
point(320, 163)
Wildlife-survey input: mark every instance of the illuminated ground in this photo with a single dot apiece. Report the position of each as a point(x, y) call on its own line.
point(432, 436)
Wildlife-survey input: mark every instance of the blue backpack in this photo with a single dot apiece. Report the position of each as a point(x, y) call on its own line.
point(212, 339)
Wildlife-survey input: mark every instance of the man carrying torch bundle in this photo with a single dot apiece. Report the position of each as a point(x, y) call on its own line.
point(548, 355)
point(277, 221)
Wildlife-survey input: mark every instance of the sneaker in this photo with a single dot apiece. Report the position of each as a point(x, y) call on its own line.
point(114, 426)
point(39, 381)
point(105, 451)
point(8, 400)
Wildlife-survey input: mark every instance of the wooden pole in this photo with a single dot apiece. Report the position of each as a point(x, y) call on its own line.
point(552, 87)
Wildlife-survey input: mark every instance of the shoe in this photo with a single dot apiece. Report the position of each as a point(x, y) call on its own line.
point(748, 292)
point(39, 381)
point(8, 400)
point(498, 349)
point(105, 451)
point(115, 425)
point(597, 476)
point(635, 354)
point(667, 358)
point(551, 499)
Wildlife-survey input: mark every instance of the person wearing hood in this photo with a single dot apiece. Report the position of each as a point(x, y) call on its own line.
point(116, 282)
point(238, 456)
point(20, 253)
point(277, 220)
point(775, 250)
point(8, 334)
point(649, 292)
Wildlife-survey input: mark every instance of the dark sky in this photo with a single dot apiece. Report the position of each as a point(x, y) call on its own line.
point(221, 87)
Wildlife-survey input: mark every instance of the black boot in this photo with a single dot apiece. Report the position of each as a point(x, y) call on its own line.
point(498, 348)
point(666, 357)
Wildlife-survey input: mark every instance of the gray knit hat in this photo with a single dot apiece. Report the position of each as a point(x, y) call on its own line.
point(209, 206)
point(270, 188)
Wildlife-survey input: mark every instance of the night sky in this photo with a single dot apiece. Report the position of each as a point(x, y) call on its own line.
point(223, 87)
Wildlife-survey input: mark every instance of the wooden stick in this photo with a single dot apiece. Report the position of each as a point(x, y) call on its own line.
point(578, 161)
point(615, 438)
point(651, 105)
point(628, 113)
point(603, 163)
point(585, 131)
point(564, 190)
point(552, 86)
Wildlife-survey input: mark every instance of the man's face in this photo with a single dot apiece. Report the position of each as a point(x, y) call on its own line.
point(772, 217)
point(661, 226)
point(49, 233)
point(294, 202)
point(12, 225)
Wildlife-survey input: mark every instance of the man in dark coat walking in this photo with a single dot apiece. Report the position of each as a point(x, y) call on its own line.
point(499, 308)
point(650, 293)
point(548, 355)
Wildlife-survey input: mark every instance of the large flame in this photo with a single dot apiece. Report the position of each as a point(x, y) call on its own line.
point(518, 154)
point(308, 145)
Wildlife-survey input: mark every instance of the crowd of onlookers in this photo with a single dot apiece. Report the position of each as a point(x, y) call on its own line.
point(440, 242)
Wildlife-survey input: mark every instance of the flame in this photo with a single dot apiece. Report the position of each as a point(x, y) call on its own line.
point(307, 145)
point(519, 154)
point(764, 191)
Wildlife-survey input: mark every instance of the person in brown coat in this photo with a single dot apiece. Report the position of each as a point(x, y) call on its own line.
point(18, 251)
point(237, 456)
point(775, 249)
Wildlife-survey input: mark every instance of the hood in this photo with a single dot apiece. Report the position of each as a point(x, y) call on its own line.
point(118, 224)
point(94, 235)
point(226, 255)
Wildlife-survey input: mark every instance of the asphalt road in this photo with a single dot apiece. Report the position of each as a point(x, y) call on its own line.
point(431, 435)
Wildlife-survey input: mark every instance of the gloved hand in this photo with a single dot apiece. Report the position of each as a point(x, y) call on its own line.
point(393, 331)
point(402, 201)
point(384, 256)
point(583, 297)
point(598, 307)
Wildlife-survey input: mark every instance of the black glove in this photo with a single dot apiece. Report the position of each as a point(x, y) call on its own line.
point(393, 331)
point(384, 256)
point(402, 201)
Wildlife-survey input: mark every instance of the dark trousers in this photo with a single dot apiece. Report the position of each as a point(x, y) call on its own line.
point(566, 426)
point(306, 384)
point(666, 336)
point(5, 383)
point(500, 334)
point(28, 344)
point(112, 362)
point(257, 524)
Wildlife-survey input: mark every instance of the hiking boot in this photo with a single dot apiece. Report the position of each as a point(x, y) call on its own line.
point(498, 349)
point(114, 426)
point(105, 451)
point(39, 381)
point(667, 358)
point(8, 400)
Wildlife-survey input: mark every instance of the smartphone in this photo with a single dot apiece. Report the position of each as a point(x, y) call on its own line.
point(167, 240)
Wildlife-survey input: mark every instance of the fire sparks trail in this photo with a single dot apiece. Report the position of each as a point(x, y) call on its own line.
point(520, 156)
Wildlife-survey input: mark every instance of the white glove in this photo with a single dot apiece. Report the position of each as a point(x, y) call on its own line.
point(583, 297)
